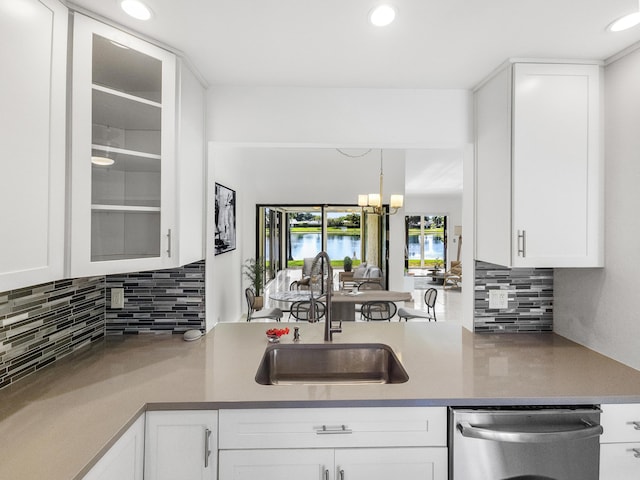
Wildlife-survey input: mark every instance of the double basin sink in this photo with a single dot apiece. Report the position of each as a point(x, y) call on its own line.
point(328, 363)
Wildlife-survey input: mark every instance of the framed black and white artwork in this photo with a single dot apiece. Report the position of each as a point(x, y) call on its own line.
point(225, 231)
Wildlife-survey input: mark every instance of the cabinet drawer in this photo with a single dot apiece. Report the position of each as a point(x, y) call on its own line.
point(621, 423)
point(620, 461)
point(333, 427)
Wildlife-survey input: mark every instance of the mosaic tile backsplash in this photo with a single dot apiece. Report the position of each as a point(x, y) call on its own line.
point(42, 323)
point(162, 301)
point(530, 292)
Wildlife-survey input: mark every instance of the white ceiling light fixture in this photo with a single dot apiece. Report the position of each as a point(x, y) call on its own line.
point(136, 9)
point(382, 15)
point(626, 22)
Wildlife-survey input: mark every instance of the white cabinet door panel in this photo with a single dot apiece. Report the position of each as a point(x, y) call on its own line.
point(32, 135)
point(276, 464)
point(386, 463)
point(181, 445)
point(123, 188)
point(620, 461)
point(555, 127)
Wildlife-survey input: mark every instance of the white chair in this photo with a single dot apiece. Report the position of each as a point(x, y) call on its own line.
point(430, 313)
point(262, 314)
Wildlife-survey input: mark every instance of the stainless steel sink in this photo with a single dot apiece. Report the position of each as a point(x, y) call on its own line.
point(330, 363)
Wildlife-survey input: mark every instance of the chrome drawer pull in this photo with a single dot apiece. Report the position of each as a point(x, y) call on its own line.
point(207, 447)
point(636, 452)
point(522, 243)
point(326, 474)
point(636, 424)
point(341, 473)
point(332, 430)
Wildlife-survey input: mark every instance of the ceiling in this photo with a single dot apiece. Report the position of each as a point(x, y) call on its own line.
point(329, 43)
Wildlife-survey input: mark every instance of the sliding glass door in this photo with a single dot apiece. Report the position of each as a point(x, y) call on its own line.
point(287, 234)
point(426, 241)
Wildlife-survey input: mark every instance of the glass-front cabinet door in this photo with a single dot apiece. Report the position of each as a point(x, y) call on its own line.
point(123, 151)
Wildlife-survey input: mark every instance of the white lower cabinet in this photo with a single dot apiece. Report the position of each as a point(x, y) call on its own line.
point(417, 463)
point(125, 459)
point(181, 445)
point(620, 442)
point(333, 443)
point(420, 463)
point(276, 464)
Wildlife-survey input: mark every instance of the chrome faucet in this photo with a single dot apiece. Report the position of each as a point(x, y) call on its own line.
point(325, 261)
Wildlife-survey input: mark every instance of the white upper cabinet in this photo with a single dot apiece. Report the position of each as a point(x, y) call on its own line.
point(32, 135)
point(539, 163)
point(123, 189)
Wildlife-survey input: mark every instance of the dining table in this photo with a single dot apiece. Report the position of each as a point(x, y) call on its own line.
point(289, 297)
point(343, 303)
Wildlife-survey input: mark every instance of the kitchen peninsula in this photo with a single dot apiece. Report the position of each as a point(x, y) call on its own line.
point(72, 411)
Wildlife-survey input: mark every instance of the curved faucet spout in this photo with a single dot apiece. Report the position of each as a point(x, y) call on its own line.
point(325, 265)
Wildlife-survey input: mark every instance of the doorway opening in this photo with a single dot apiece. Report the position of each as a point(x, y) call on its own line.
point(426, 242)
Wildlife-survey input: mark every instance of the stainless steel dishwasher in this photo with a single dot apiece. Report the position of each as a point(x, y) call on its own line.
point(524, 443)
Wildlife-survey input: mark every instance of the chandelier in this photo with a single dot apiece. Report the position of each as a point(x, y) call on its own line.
point(372, 203)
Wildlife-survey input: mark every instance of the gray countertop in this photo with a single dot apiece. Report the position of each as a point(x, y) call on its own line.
point(53, 423)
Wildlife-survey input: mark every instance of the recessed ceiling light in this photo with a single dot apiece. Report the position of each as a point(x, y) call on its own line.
point(625, 22)
point(382, 15)
point(136, 9)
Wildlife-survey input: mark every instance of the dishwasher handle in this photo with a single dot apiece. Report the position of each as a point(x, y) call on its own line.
point(588, 430)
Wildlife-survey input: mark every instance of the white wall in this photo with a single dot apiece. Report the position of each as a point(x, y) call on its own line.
point(340, 116)
point(224, 271)
point(598, 307)
point(248, 128)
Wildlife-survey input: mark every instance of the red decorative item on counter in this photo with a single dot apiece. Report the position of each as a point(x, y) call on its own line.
point(277, 332)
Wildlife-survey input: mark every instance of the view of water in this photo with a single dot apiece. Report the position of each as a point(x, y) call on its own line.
point(433, 247)
point(304, 245)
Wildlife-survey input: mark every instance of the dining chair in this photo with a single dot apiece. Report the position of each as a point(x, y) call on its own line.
point(378, 310)
point(262, 314)
point(370, 285)
point(430, 296)
point(302, 311)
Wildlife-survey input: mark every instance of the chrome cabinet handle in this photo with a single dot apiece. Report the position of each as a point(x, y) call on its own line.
point(169, 243)
point(207, 447)
point(326, 474)
point(332, 430)
point(515, 436)
point(341, 473)
point(635, 423)
point(636, 452)
point(522, 243)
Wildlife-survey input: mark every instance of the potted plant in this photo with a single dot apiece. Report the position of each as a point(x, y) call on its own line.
point(348, 263)
point(254, 272)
